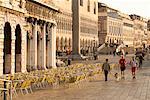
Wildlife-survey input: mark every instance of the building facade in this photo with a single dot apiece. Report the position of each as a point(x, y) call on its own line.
point(88, 22)
point(64, 22)
point(27, 36)
point(41, 35)
point(128, 30)
point(117, 27)
point(12, 40)
point(88, 25)
point(109, 25)
point(140, 30)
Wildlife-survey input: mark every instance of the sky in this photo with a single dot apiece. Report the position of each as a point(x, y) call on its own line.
point(139, 7)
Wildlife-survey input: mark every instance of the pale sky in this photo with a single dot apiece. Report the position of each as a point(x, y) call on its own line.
point(139, 7)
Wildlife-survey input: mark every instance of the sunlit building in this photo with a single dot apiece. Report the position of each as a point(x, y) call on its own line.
point(127, 30)
point(109, 25)
point(88, 25)
point(140, 30)
point(27, 36)
point(119, 28)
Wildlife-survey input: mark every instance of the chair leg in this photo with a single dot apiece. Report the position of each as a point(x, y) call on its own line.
point(26, 90)
point(22, 91)
point(30, 90)
point(15, 93)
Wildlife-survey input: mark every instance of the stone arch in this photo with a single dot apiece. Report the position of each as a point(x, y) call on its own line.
point(62, 44)
point(89, 42)
point(86, 43)
point(70, 44)
point(83, 43)
point(7, 49)
point(110, 41)
point(92, 43)
point(57, 43)
point(66, 44)
point(18, 42)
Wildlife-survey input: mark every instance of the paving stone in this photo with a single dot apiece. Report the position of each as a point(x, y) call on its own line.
point(127, 89)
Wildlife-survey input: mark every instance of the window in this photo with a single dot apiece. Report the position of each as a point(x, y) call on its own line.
point(88, 6)
point(10, 2)
point(20, 4)
point(81, 2)
point(94, 7)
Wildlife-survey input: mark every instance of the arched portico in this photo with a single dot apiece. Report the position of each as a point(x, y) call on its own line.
point(18, 43)
point(7, 49)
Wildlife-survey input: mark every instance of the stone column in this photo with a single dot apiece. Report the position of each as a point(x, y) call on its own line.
point(76, 29)
point(51, 49)
point(12, 55)
point(23, 50)
point(43, 60)
point(34, 47)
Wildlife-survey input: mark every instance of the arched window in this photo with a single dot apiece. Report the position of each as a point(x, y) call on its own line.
point(20, 3)
point(88, 6)
point(10, 2)
point(94, 7)
point(81, 2)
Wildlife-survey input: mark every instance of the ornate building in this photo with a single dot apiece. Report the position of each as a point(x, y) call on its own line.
point(109, 25)
point(88, 28)
point(140, 30)
point(88, 25)
point(27, 38)
point(41, 35)
point(128, 30)
point(117, 27)
point(64, 22)
point(12, 48)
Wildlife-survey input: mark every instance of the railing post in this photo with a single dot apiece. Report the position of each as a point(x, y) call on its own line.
point(5, 94)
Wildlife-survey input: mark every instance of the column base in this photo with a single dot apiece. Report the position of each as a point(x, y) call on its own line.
point(76, 57)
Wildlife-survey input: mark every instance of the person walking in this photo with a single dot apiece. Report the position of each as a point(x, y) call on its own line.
point(122, 62)
point(133, 64)
point(140, 61)
point(106, 69)
point(69, 61)
point(114, 52)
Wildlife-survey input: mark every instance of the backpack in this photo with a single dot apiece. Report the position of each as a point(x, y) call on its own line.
point(122, 61)
point(134, 64)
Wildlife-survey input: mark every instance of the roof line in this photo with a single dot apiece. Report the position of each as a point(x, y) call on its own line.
point(45, 5)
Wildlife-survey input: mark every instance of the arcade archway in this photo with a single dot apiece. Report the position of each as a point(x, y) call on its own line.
point(7, 49)
point(18, 42)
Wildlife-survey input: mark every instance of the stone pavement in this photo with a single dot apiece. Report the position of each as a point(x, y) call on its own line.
point(102, 58)
point(128, 89)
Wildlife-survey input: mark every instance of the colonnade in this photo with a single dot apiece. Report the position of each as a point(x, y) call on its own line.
point(41, 45)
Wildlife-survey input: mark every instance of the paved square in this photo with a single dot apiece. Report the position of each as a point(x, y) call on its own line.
point(128, 89)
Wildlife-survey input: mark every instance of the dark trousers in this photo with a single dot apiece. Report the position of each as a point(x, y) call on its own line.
point(106, 74)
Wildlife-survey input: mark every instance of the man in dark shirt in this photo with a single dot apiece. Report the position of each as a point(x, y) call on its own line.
point(106, 68)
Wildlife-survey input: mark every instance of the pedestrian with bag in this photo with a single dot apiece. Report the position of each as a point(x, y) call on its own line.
point(133, 65)
point(106, 69)
point(122, 62)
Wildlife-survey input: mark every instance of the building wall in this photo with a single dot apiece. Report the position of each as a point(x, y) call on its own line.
point(128, 29)
point(110, 25)
point(140, 28)
point(89, 24)
point(121, 28)
point(114, 32)
point(14, 17)
point(64, 22)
